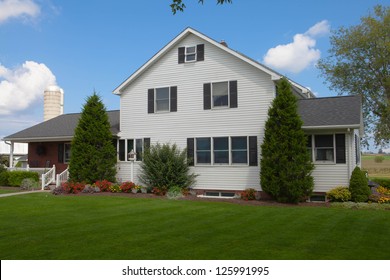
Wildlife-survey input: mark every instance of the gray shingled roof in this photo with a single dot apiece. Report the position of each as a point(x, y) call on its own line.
point(331, 111)
point(315, 112)
point(62, 126)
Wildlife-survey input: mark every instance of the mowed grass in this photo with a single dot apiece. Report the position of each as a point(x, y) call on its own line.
point(376, 169)
point(44, 226)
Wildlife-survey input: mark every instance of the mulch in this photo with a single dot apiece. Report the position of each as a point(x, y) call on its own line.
point(221, 200)
point(196, 198)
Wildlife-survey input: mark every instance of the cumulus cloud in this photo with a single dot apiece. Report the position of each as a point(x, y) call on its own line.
point(21, 87)
point(301, 53)
point(18, 8)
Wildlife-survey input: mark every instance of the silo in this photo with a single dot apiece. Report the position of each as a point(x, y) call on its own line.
point(53, 102)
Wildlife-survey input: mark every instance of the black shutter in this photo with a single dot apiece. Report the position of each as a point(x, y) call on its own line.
point(253, 151)
point(150, 101)
point(340, 148)
point(207, 96)
point(200, 52)
point(61, 153)
point(173, 99)
point(146, 143)
point(233, 94)
point(190, 151)
point(181, 54)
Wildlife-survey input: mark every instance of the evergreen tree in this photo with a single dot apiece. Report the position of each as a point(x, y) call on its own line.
point(358, 186)
point(93, 154)
point(285, 162)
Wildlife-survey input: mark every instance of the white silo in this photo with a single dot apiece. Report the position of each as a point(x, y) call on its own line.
point(53, 102)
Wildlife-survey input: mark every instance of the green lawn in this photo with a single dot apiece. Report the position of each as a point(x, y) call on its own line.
point(4, 190)
point(44, 226)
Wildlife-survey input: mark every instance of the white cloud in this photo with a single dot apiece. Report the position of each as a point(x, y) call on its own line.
point(300, 54)
point(18, 8)
point(21, 87)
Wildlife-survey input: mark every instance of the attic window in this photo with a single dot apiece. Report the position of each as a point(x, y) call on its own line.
point(191, 53)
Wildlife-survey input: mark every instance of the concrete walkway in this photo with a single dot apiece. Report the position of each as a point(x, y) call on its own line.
point(19, 193)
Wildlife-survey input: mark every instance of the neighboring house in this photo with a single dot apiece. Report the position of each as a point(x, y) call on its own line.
point(213, 101)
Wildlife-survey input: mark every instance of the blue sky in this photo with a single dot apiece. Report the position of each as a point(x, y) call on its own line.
point(84, 46)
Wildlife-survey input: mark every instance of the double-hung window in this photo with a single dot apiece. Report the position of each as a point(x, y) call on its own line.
point(327, 148)
point(191, 53)
point(162, 99)
point(239, 150)
point(221, 150)
point(203, 150)
point(324, 148)
point(220, 95)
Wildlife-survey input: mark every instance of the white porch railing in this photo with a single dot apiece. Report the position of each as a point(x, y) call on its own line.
point(63, 177)
point(49, 177)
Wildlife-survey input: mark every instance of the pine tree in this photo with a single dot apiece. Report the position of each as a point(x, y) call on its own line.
point(285, 161)
point(93, 154)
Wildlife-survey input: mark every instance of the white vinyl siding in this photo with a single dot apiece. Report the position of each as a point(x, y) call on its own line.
point(256, 91)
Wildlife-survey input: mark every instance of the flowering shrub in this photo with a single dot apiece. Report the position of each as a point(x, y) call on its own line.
point(248, 194)
point(127, 186)
point(384, 199)
point(339, 194)
point(73, 187)
point(104, 185)
point(159, 191)
point(383, 190)
point(115, 188)
point(175, 192)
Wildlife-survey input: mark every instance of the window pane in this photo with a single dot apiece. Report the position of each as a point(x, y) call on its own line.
point(190, 50)
point(190, 57)
point(203, 157)
point(324, 141)
point(239, 157)
point(138, 149)
point(221, 143)
point(162, 105)
point(203, 144)
point(122, 155)
point(130, 145)
point(324, 154)
point(239, 143)
point(221, 157)
point(221, 94)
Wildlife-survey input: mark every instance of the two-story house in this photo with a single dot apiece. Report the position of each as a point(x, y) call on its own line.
point(213, 101)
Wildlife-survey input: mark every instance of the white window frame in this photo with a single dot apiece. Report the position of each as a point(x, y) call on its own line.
point(212, 158)
point(127, 150)
point(212, 95)
point(169, 100)
point(314, 149)
point(187, 53)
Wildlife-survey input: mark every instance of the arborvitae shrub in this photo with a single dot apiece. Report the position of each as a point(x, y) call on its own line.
point(358, 186)
point(285, 161)
point(93, 154)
